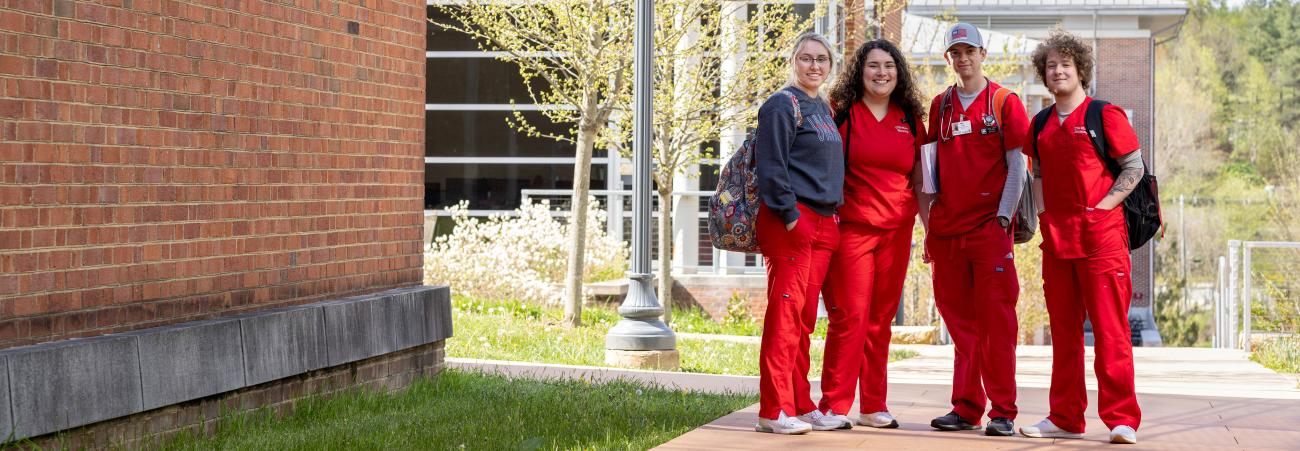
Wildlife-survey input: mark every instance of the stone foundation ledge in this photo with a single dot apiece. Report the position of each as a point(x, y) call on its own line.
point(55, 386)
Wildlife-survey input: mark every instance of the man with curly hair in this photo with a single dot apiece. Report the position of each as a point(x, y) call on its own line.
point(1087, 159)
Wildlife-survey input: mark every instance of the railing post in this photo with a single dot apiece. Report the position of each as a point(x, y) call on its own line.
point(1245, 296)
point(1234, 246)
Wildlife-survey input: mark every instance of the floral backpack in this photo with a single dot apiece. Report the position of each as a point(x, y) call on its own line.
point(733, 209)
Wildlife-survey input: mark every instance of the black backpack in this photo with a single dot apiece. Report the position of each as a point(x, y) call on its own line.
point(1142, 206)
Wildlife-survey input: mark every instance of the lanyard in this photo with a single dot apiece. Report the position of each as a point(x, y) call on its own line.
point(945, 130)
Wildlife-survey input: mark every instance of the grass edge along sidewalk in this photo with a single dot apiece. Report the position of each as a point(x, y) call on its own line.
point(513, 331)
point(470, 410)
point(1281, 354)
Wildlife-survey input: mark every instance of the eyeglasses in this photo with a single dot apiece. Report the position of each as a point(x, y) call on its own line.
point(809, 60)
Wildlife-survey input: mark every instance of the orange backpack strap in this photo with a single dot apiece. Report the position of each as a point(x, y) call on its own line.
point(999, 100)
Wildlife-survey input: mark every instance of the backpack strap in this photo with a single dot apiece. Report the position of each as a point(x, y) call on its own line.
point(1040, 121)
point(848, 135)
point(1092, 120)
point(999, 101)
point(798, 115)
point(910, 120)
point(840, 119)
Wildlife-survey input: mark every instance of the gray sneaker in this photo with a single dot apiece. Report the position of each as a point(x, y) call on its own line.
point(782, 425)
point(1000, 427)
point(823, 422)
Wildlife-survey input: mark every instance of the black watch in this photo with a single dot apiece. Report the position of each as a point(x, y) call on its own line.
point(1003, 221)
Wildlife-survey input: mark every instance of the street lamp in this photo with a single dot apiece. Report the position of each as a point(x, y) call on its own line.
point(641, 339)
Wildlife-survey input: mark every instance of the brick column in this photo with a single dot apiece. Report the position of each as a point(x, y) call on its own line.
point(855, 30)
point(1124, 79)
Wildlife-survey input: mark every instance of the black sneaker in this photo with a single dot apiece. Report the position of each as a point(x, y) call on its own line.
point(952, 422)
point(1000, 426)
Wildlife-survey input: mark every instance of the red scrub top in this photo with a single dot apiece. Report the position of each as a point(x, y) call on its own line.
point(972, 167)
point(878, 176)
point(1075, 179)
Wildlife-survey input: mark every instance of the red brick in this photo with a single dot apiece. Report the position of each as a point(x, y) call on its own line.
point(148, 191)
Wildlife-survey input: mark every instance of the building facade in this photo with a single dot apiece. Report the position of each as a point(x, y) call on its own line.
point(473, 155)
point(182, 184)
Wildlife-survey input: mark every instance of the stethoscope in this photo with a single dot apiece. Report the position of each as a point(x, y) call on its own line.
point(945, 130)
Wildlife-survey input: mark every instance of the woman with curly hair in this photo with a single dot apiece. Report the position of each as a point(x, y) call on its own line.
point(1086, 267)
point(877, 109)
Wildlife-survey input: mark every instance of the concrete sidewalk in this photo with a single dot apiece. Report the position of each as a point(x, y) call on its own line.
point(1191, 399)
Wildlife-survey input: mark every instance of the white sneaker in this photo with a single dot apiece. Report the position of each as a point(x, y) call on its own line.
point(823, 422)
point(782, 425)
point(844, 418)
point(1045, 429)
point(1123, 434)
point(878, 420)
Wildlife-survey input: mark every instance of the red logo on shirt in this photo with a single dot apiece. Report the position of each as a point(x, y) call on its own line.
point(1080, 130)
point(903, 129)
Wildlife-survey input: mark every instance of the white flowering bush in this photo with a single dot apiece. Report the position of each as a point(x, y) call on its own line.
point(518, 257)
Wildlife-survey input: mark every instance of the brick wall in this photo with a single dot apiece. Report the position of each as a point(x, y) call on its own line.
point(712, 293)
point(1124, 78)
point(169, 160)
point(855, 33)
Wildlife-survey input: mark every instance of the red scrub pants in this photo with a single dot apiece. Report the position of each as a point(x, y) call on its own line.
point(1100, 286)
point(796, 263)
point(975, 289)
point(864, 285)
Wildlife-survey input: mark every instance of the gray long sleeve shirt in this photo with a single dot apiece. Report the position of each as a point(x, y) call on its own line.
point(798, 163)
point(1017, 171)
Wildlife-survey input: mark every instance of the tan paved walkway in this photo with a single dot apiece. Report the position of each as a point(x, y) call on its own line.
point(1191, 399)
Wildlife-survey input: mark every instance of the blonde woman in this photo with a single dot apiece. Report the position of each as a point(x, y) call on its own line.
point(800, 176)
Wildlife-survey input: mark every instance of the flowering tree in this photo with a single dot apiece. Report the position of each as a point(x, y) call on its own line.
point(715, 60)
point(575, 56)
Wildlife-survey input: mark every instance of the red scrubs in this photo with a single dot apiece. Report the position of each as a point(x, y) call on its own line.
point(975, 284)
point(1086, 269)
point(867, 271)
point(796, 262)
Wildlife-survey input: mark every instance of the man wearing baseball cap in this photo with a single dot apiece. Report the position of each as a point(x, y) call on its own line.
point(978, 127)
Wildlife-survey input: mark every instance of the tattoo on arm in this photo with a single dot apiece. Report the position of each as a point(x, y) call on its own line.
point(1127, 180)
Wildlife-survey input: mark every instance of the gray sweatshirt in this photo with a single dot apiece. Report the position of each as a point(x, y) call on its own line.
point(798, 164)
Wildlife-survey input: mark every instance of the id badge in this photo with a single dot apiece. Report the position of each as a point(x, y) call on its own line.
point(961, 128)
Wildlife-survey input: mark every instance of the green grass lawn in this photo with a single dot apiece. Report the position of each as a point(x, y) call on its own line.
point(514, 331)
point(459, 410)
point(1280, 354)
point(695, 320)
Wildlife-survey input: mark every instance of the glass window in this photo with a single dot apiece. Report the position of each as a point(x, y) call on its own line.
point(800, 10)
point(487, 134)
point(496, 186)
point(436, 38)
point(476, 80)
